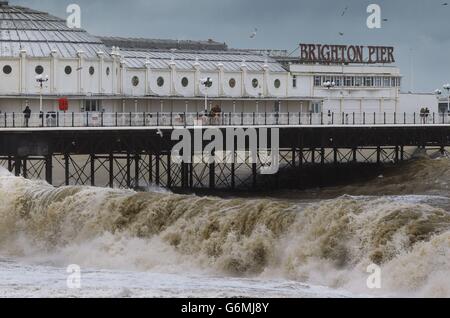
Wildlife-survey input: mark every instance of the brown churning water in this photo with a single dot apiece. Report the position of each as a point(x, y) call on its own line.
point(400, 221)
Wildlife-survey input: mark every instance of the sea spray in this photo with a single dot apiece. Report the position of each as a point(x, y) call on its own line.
point(330, 242)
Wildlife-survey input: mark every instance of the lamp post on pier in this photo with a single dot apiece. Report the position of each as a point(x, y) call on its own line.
point(41, 80)
point(207, 83)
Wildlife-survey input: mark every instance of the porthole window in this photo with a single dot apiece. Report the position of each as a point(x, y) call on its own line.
point(108, 71)
point(39, 70)
point(160, 81)
point(255, 83)
point(185, 82)
point(7, 69)
point(135, 81)
point(91, 70)
point(232, 83)
point(68, 70)
point(277, 83)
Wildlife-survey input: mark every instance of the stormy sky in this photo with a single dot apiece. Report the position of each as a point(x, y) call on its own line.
point(418, 29)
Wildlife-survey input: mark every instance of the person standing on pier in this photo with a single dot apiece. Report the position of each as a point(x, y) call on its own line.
point(27, 115)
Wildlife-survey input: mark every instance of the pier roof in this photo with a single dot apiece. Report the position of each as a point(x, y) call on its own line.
point(205, 60)
point(39, 33)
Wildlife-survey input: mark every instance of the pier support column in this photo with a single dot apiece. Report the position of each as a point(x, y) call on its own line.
point(396, 154)
point(191, 172)
point(157, 177)
point(378, 155)
point(169, 170)
point(294, 159)
point(111, 171)
point(49, 169)
point(93, 170)
point(233, 179)
point(17, 167)
point(25, 169)
point(136, 171)
point(66, 169)
point(254, 175)
point(150, 168)
point(212, 176)
point(300, 158)
point(128, 170)
point(184, 175)
point(10, 165)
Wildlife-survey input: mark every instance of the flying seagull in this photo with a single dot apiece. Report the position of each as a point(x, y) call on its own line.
point(341, 33)
point(253, 35)
point(345, 10)
point(445, 4)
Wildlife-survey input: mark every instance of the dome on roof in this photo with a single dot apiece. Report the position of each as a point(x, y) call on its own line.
point(39, 33)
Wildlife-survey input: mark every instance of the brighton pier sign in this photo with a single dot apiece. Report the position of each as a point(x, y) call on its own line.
point(343, 54)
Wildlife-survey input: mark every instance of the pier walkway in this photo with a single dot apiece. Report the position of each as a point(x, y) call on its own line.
point(134, 150)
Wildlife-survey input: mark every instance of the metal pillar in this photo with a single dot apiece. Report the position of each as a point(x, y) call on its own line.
point(184, 175)
point(157, 177)
point(212, 175)
point(67, 169)
point(254, 175)
point(191, 172)
point(25, 169)
point(49, 169)
point(150, 169)
point(93, 170)
point(300, 159)
point(378, 155)
point(396, 154)
point(111, 170)
point(169, 172)
point(294, 163)
point(128, 170)
point(233, 178)
point(10, 164)
point(17, 167)
point(136, 171)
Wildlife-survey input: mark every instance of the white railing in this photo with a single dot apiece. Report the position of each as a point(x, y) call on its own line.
point(97, 119)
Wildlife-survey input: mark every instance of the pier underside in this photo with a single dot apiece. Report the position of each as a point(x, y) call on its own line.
point(141, 158)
